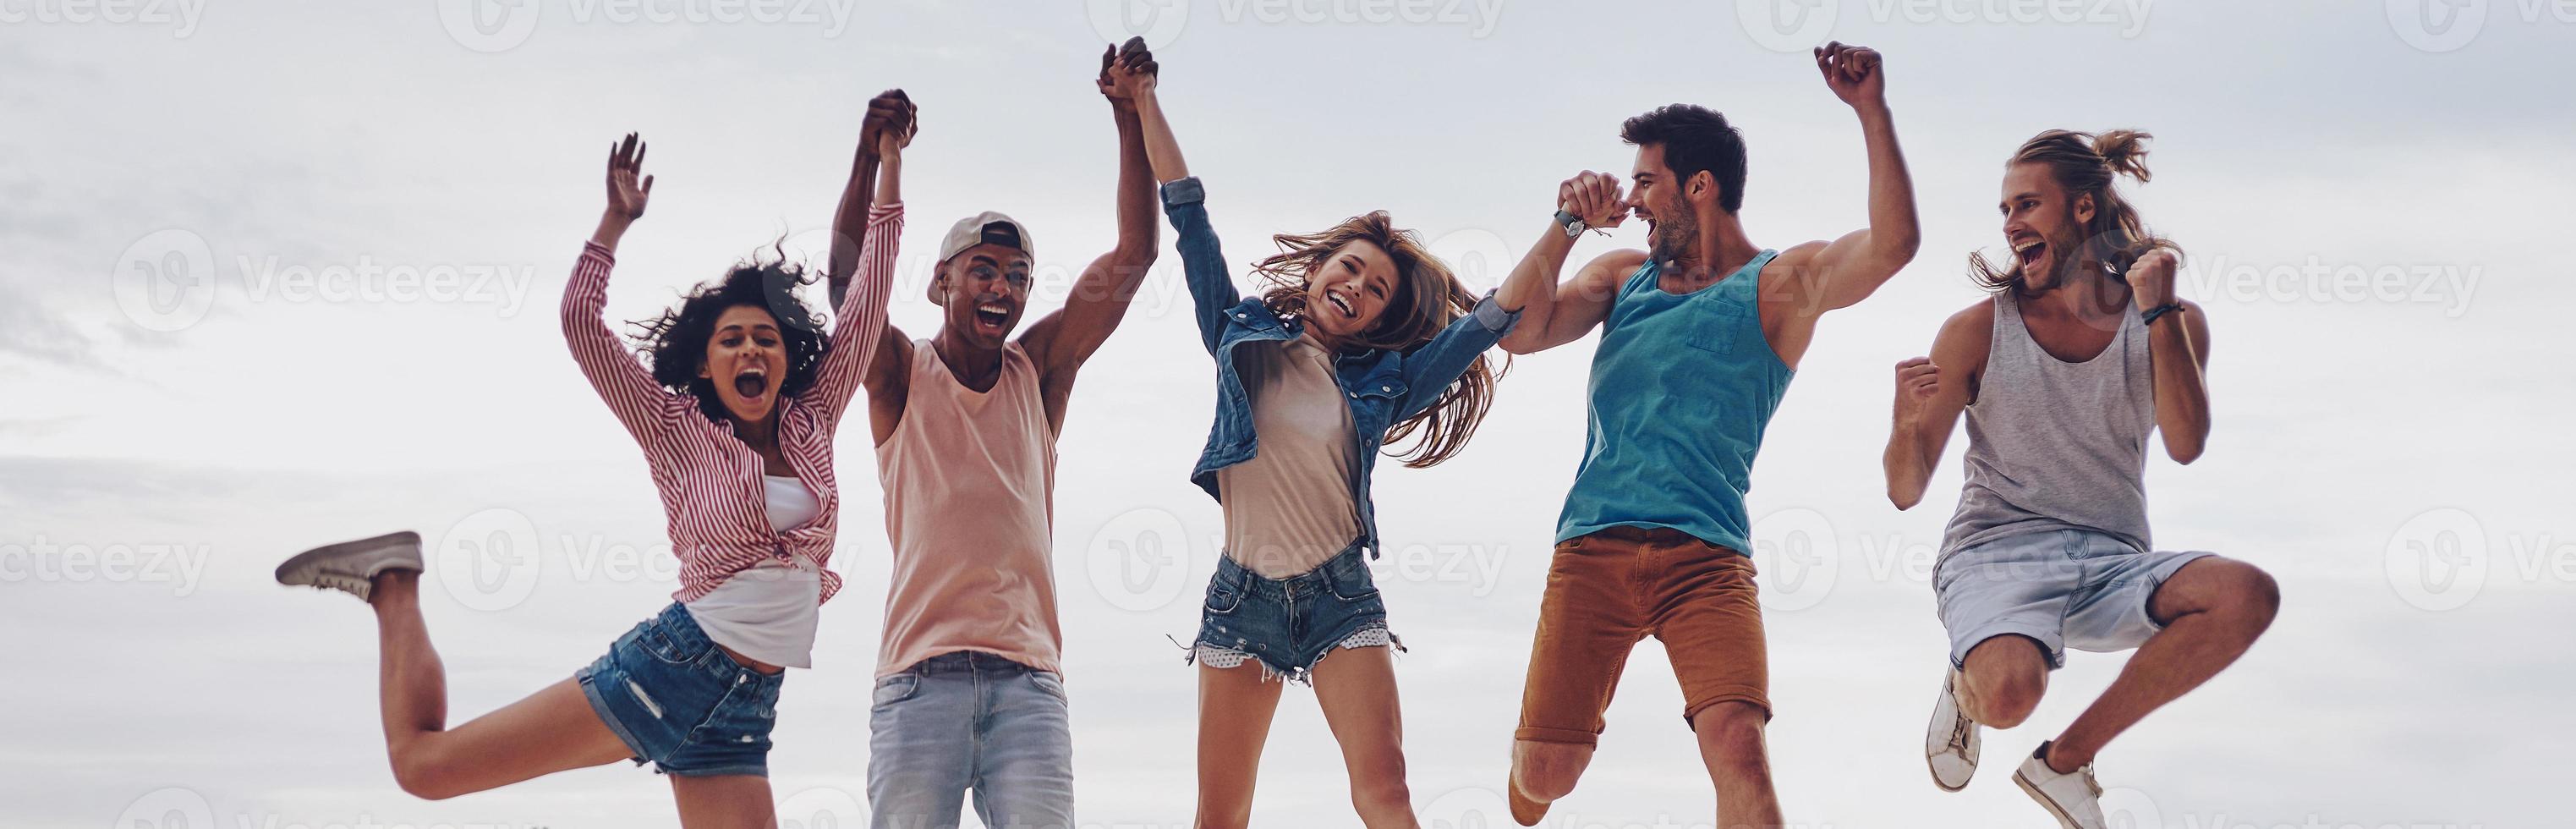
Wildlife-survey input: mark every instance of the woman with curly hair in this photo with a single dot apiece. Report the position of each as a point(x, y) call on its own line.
point(735, 415)
point(1363, 340)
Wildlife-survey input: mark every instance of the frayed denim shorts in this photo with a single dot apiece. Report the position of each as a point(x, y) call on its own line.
point(1290, 624)
point(681, 703)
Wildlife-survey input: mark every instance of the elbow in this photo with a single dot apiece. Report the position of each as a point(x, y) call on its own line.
point(1904, 500)
point(1899, 248)
point(2184, 453)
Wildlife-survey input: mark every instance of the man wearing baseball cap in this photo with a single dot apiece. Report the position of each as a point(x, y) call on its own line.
point(968, 692)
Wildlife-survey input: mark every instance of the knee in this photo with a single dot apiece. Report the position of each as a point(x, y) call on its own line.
point(1229, 818)
point(2006, 701)
point(2258, 597)
point(1381, 793)
point(1548, 770)
point(1730, 735)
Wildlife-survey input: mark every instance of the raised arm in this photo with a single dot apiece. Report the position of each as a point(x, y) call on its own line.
point(850, 219)
point(1930, 394)
point(1101, 296)
point(2178, 347)
point(859, 319)
point(643, 406)
point(1553, 315)
point(1847, 270)
point(1212, 291)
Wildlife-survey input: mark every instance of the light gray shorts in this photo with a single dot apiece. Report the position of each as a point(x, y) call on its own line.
point(2065, 588)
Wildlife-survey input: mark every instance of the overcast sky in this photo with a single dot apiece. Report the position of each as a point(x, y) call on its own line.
point(274, 274)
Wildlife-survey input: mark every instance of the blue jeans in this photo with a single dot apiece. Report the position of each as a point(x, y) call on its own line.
point(970, 721)
point(679, 702)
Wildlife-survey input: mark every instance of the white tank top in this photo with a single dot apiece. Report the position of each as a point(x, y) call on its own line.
point(769, 611)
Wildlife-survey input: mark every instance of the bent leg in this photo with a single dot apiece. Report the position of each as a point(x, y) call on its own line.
point(1235, 707)
point(2212, 610)
point(554, 729)
point(2002, 680)
point(1588, 620)
point(1356, 687)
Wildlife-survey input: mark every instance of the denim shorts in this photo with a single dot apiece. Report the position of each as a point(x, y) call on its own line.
point(680, 702)
point(2063, 588)
point(1290, 624)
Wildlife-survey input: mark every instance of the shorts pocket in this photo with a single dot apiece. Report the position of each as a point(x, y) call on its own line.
point(895, 689)
point(655, 638)
point(1351, 587)
point(1223, 596)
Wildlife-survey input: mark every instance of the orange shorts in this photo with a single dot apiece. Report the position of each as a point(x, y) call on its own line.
point(1609, 589)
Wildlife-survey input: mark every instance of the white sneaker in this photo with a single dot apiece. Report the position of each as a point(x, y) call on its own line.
point(2072, 796)
point(352, 565)
point(1950, 744)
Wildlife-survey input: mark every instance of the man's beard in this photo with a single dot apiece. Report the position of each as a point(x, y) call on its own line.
point(1676, 232)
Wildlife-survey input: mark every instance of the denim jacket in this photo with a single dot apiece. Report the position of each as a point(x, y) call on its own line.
point(1384, 387)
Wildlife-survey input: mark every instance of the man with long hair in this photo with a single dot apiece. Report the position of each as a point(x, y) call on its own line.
point(2082, 350)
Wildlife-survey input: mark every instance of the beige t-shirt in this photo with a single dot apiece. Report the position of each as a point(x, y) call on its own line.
point(1289, 509)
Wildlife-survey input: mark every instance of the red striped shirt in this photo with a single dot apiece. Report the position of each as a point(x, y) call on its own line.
point(709, 480)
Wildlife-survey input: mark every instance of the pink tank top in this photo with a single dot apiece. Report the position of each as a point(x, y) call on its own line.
point(970, 506)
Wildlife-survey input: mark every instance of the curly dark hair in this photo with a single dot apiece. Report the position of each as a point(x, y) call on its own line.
point(675, 344)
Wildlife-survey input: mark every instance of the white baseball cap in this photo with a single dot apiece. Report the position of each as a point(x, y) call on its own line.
point(984, 228)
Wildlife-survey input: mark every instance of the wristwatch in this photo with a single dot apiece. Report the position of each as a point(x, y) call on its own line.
point(1573, 224)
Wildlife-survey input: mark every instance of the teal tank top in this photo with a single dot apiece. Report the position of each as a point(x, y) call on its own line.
point(1682, 386)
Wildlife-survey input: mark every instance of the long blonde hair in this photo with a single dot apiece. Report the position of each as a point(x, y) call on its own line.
point(1407, 322)
point(2086, 164)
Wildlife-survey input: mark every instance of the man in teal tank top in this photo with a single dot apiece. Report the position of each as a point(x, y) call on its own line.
point(1700, 336)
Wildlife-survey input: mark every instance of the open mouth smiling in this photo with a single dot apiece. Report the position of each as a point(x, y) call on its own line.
point(751, 383)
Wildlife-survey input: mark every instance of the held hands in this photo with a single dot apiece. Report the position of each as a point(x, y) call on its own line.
point(1127, 73)
point(1594, 198)
point(1917, 380)
point(1854, 74)
point(626, 195)
point(2151, 279)
point(890, 123)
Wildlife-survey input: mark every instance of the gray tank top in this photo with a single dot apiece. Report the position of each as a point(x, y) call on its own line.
point(2054, 445)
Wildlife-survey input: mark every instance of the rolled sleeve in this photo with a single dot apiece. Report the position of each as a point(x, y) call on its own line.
point(1491, 315)
point(1183, 190)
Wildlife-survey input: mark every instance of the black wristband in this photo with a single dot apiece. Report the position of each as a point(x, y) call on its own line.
point(2149, 316)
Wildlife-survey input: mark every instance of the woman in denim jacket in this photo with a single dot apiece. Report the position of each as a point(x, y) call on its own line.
point(1364, 339)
